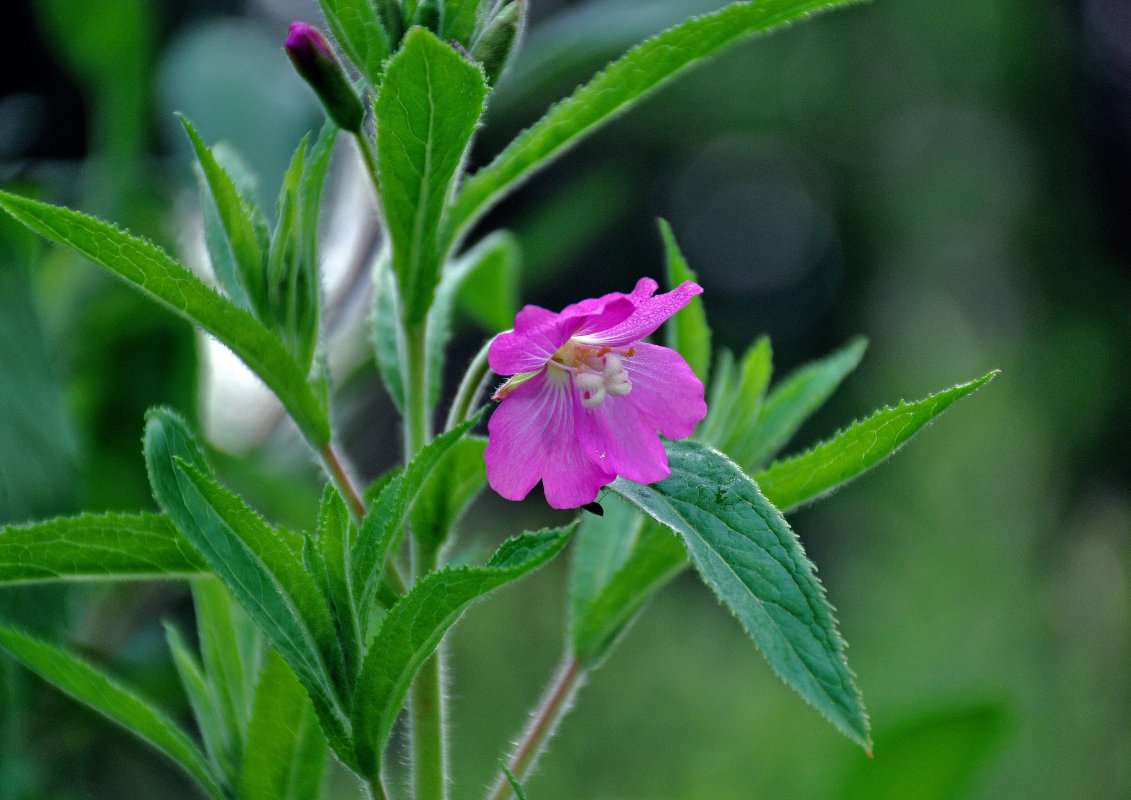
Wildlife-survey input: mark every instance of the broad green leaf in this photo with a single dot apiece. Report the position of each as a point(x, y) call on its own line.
point(262, 570)
point(358, 29)
point(746, 552)
point(487, 275)
point(153, 272)
point(94, 688)
point(807, 476)
point(788, 405)
point(620, 561)
point(386, 330)
point(102, 546)
point(446, 494)
point(430, 101)
point(687, 332)
point(413, 628)
point(737, 397)
point(384, 525)
point(623, 83)
point(286, 751)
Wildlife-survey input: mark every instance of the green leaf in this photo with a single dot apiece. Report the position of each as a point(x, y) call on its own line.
point(446, 494)
point(687, 331)
point(807, 476)
point(261, 568)
point(461, 18)
point(384, 525)
point(386, 330)
point(286, 751)
point(789, 404)
point(746, 552)
point(621, 85)
point(430, 101)
point(158, 276)
point(413, 628)
point(358, 29)
point(335, 537)
point(620, 560)
point(94, 688)
point(513, 781)
point(736, 398)
point(103, 546)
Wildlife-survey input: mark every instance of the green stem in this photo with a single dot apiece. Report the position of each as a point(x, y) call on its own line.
point(369, 156)
point(340, 476)
point(556, 701)
point(476, 377)
point(376, 789)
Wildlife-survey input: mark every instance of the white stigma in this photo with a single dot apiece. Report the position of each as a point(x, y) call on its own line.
point(594, 386)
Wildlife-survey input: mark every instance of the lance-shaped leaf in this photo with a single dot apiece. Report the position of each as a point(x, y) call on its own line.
point(453, 484)
point(737, 394)
point(386, 330)
point(261, 568)
point(94, 688)
point(746, 552)
point(286, 751)
point(358, 28)
point(430, 101)
point(413, 628)
point(622, 84)
point(788, 405)
point(335, 537)
point(102, 546)
point(687, 332)
point(807, 476)
point(155, 274)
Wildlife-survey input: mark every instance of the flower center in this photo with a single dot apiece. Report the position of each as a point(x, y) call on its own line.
point(598, 372)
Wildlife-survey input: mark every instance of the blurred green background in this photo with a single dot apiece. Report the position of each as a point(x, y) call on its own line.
point(950, 179)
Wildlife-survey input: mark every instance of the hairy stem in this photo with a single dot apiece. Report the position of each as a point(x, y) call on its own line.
point(556, 701)
point(429, 752)
point(335, 465)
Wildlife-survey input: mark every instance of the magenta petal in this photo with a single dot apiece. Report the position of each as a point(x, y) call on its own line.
point(622, 440)
point(650, 314)
point(665, 390)
point(532, 437)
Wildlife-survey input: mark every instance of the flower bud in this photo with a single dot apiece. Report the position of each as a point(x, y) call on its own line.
point(316, 63)
point(494, 47)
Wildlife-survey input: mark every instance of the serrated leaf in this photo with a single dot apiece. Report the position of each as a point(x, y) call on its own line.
point(454, 483)
point(430, 101)
point(807, 476)
point(413, 628)
point(103, 546)
point(335, 536)
point(746, 552)
point(737, 394)
point(789, 404)
point(286, 751)
point(384, 525)
point(622, 84)
point(687, 332)
point(97, 690)
point(262, 570)
point(358, 29)
point(158, 276)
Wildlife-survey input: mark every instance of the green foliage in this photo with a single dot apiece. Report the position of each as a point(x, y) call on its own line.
point(430, 101)
point(746, 552)
point(622, 84)
point(103, 546)
point(808, 476)
point(413, 628)
point(362, 33)
point(94, 688)
point(454, 483)
point(737, 397)
point(331, 552)
point(155, 274)
point(687, 332)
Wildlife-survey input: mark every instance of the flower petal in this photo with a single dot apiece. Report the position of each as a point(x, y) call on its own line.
point(651, 312)
point(622, 440)
point(532, 437)
point(665, 391)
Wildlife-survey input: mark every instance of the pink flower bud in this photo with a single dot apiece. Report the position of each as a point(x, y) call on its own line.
point(316, 63)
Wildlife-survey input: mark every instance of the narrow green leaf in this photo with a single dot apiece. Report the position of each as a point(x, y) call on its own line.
point(286, 751)
point(789, 404)
point(430, 101)
point(621, 85)
point(262, 570)
point(102, 546)
point(158, 276)
point(687, 332)
point(335, 536)
point(218, 737)
point(386, 330)
point(413, 628)
point(358, 29)
point(457, 479)
point(216, 626)
point(746, 552)
point(601, 546)
point(807, 476)
point(513, 781)
point(737, 397)
point(94, 688)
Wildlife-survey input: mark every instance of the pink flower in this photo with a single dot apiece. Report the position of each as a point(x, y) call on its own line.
point(588, 398)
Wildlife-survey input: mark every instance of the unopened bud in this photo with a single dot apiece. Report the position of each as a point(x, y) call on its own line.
point(316, 63)
point(494, 47)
